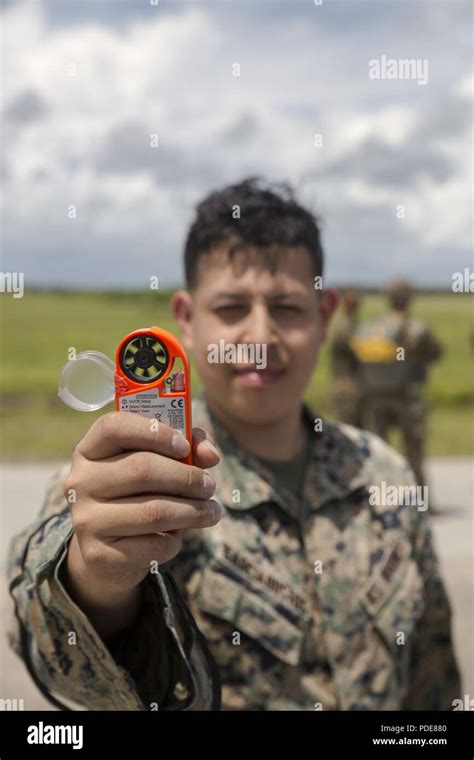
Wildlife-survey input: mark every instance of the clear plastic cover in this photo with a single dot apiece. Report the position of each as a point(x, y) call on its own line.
point(86, 383)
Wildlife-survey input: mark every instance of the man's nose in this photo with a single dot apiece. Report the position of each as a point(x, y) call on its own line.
point(259, 326)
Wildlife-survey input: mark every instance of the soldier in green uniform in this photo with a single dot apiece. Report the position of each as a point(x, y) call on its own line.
point(347, 394)
point(310, 591)
point(395, 381)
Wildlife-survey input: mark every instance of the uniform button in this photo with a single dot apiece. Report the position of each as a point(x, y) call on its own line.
point(181, 691)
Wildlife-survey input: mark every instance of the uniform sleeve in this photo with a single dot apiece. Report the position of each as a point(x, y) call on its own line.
point(64, 655)
point(434, 674)
point(427, 348)
point(343, 359)
point(159, 663)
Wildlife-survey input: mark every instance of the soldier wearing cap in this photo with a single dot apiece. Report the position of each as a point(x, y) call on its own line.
point(396, 353)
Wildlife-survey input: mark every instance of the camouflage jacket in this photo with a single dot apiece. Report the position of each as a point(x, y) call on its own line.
point(389, 374)
point(331, 601)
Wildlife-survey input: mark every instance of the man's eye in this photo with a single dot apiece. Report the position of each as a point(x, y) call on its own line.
point(228, 308)
point(230, 311)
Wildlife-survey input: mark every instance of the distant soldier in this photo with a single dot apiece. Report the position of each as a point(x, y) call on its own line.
point(347, 391)
point(395, 353)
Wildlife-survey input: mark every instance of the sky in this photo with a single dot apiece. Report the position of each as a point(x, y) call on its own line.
point(87, 202)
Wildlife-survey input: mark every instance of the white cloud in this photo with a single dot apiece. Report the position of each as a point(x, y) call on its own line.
point(171, 74)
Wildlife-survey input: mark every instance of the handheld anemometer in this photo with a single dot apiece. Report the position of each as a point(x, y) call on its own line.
point(151, 376)
point(149, 380)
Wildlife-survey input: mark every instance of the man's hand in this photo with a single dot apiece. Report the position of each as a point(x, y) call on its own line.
point(130, 498)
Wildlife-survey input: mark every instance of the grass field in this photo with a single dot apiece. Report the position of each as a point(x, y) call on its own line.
point(38, 330)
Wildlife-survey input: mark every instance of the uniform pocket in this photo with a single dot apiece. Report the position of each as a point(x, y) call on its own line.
point(276, 626)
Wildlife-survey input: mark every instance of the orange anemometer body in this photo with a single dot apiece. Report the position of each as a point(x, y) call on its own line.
point(149, 380)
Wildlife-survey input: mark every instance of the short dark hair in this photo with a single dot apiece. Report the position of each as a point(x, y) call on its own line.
point(270, 218)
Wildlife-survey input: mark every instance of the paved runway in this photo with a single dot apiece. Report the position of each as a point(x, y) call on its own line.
point(452, 482)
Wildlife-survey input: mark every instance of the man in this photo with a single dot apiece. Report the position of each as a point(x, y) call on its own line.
point(310, 593)
point(395, 381)
point(346, 385)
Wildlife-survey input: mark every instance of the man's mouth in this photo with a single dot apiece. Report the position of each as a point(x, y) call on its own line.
point(257, 378)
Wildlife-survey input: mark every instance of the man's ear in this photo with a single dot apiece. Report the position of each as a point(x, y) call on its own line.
point(182, 307)
point(327, 306)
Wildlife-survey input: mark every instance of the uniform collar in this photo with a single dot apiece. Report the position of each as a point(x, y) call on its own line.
point(335, 466)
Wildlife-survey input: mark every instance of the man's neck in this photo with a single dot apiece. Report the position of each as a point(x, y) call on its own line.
point(280, 440)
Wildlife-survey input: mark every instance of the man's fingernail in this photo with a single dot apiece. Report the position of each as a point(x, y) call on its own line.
point(217, 509)
point(180, 445)
point(207, 443)
point(208, 482)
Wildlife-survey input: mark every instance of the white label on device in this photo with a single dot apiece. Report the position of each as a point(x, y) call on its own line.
point(168, 409)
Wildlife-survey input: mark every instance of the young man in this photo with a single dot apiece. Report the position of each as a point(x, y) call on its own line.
point(310, 592)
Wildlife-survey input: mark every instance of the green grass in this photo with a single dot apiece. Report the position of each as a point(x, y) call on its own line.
point(39, 329)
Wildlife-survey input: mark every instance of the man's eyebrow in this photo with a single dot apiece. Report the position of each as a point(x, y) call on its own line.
point(229, 294)
point(287, 294)
point(239, 295)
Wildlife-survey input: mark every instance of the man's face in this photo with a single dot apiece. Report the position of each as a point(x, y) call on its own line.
point(240, 301)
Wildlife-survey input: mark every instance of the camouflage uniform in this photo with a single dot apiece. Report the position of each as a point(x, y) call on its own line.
point(346, 385)
point(403, 404)
point(302, 602)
